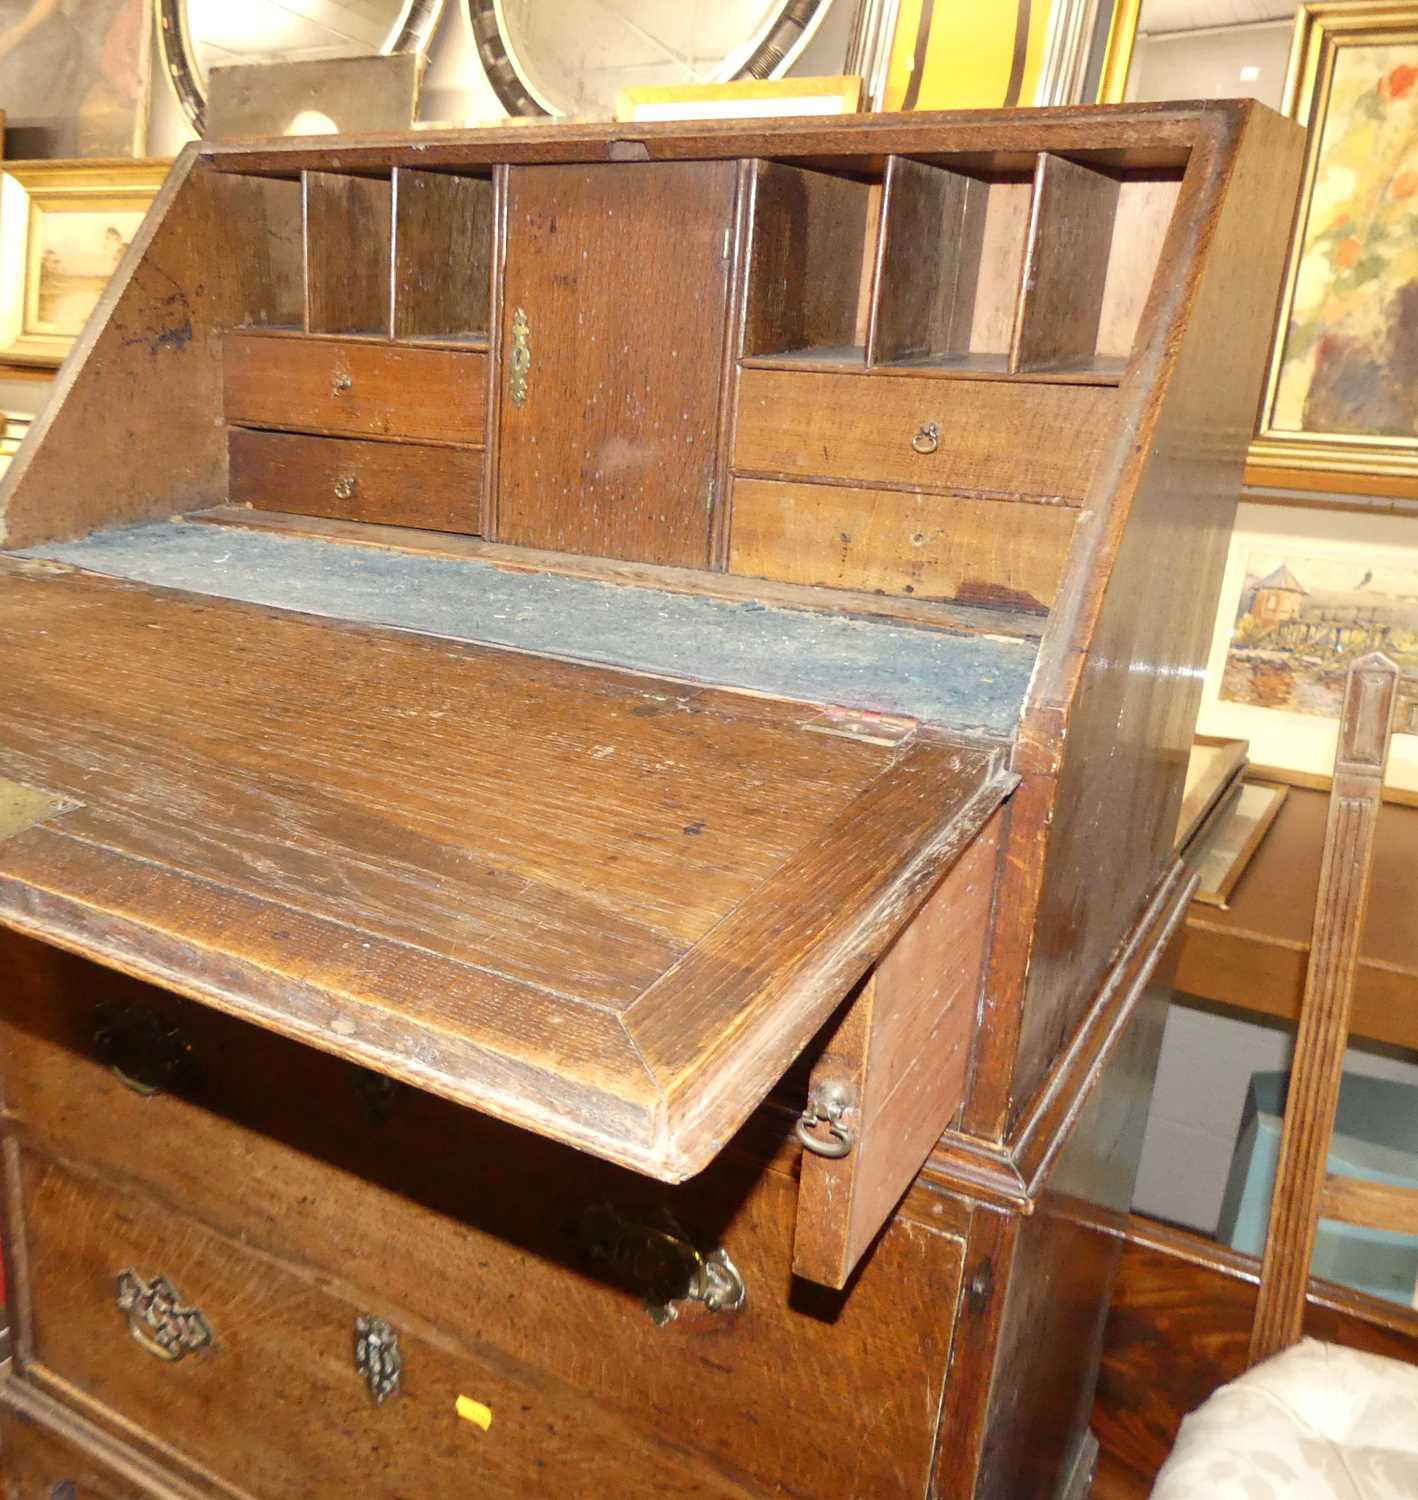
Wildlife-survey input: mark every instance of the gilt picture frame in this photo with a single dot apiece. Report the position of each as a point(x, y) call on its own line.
point(64, 229)
point(1340, 407)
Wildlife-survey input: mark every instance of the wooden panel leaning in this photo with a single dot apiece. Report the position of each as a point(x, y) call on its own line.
point(1365, 723)
point(788, 759)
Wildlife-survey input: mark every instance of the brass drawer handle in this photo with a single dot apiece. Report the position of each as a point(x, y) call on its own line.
point(377, 1357)
point(927, 438)
point(145, 1052)
point(654, 1257)
point(828, 1105)
point(157, 1319)
point(345, 486)
point(341, 383)
point(519, 357)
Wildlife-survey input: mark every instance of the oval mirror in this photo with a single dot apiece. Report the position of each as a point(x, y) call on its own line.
point(572, 58)
point(200, 34)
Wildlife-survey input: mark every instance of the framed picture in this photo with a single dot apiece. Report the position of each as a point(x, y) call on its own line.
point(1305, 592)
point(1340, 410)
point(74, 77)
point(64, 227)
point(741, 98)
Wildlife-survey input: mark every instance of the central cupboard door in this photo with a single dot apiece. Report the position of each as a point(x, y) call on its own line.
point(614, 309)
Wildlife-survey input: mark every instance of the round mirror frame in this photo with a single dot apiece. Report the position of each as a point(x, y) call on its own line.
point(776, 47)
point(410, 33)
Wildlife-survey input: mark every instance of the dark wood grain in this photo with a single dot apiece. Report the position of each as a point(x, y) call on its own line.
point(348, 244)
point(441, 221)
point(322, 1158)
point(900, 1052)
point(396, 484)
point(1179, 1328)
point(1065, 266)
point(896, 542)
point(353, 389)
point(1317, 1070)
point(808, 254)
point(996, 438)
point(265, 215)
point(1253, 955)
point(622, 274)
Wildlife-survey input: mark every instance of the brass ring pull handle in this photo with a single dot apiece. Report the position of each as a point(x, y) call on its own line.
point(158, 1321)
point(145, 1050)
point(144, 1090)
point(345, 486)
point(654, 1257)
point(342, 383)
point(827, 1105)
point(927, 438)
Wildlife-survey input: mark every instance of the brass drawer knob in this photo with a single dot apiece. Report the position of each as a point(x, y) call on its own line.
point(157, 1319)
point(345, 486)
point(376, 1357)
point(927, 438)
point(341, 383)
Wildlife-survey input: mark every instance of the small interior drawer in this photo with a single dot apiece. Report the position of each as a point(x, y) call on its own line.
point(965, 435)
point(362, 389)
point(393, 484)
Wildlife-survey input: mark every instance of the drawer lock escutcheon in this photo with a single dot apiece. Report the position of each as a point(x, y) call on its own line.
point(927, 438)
point(377, 1357)
point(158, 1320)
point(827, 1106)
point(519, 357)
point(345, 486)
point(653, 1257)
point(341, 383)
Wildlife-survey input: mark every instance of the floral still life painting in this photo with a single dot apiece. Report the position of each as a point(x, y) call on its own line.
point(1349, 362)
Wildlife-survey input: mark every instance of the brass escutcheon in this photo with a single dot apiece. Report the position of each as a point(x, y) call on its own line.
point(345, 486)
point(342, 382)
point(519, 357)
point(158, 1321)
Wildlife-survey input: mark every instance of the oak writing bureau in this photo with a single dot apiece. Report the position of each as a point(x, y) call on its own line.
point(590, 723)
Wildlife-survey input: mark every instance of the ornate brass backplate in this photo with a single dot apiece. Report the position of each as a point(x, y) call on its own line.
point(654, 1258)
point(157, 1319)
point(377, 1358)
point(519, 357)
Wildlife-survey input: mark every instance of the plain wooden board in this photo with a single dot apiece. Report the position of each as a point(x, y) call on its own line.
point(1228, 847)
point(1035, 440)
point(621, 272)
point(349, 231)
point(612, 877)
point(443, 234)
point(1065, 266)
point(1210, 769)
point(353, 388)
point(894, 542)
point(397, 484)
point(359, 95)
point(900, 1052)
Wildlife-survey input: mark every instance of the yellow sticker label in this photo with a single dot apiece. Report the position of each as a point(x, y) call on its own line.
point(474, 1411)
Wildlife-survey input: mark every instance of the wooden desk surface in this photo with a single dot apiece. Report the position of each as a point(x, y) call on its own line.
point(606, 906)
point(1253, 954)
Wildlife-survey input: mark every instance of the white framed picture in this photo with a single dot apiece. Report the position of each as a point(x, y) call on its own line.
point(1305, 592)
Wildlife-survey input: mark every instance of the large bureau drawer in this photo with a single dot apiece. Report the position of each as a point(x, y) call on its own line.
point(432, 1213)
point(359, 388)
point(973, 435)
point(284, 1389)
point(395, 484)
